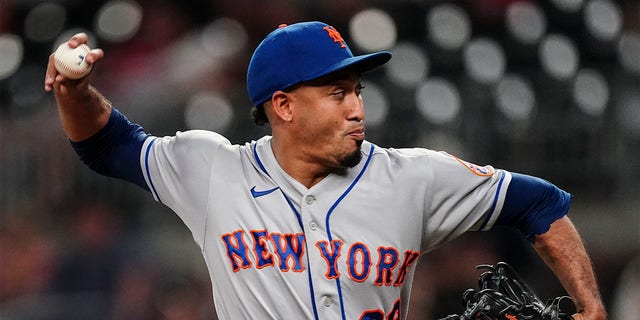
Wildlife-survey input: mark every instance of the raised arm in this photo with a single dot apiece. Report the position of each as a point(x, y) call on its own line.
point(106, 141)
point(83, 110)
point(563, 251)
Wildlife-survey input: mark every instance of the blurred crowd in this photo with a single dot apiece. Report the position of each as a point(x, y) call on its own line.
point(549, 88)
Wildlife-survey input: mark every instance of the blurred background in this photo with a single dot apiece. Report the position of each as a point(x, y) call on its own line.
point(548, 88)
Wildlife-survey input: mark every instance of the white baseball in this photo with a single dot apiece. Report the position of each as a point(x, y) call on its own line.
point(71, 62)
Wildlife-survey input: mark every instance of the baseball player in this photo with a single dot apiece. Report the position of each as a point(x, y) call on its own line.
point(314, 221)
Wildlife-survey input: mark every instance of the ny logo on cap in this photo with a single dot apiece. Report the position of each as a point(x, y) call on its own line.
point(335, 35)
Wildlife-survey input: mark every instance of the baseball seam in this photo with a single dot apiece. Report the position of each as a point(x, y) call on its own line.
point(69, 69)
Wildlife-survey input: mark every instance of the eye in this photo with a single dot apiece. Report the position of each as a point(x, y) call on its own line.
point(359, 89)
point(339, 92)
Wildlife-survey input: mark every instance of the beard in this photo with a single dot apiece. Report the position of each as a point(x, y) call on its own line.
point(352, 159)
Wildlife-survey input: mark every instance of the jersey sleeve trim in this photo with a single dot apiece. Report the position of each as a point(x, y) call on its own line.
point(144, 162)
point(532, 205)
point(115, 149)
point(498, 201)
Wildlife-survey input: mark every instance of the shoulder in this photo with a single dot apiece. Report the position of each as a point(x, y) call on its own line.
point(201, 137)
point(410, 163)
point(406, 155)
point(191, 145)
point(438, 162)
point(190, 140)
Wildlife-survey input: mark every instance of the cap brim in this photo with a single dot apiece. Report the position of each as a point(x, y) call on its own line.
point(361, 64)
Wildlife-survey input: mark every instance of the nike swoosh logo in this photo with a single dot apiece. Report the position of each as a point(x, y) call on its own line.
point(256, 194)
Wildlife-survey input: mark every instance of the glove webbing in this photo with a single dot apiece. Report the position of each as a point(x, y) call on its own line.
point(502, 295)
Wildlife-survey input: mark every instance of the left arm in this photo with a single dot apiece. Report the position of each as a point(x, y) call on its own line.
point(563, 251)
point(538, 209)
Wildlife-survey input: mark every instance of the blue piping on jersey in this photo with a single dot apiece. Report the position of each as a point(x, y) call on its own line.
point(255, 155)
point(299, 217)
point(335, 204)
point(146, 165)
point(495, 202)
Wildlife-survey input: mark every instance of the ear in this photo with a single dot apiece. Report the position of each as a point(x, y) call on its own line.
point(281, 104)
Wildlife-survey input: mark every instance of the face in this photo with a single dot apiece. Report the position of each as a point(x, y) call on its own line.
point(329, 119)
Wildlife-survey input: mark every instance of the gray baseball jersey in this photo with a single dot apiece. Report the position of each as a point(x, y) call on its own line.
point(344, 249)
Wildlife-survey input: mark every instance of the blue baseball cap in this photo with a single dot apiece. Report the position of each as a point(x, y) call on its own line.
point(302, 52)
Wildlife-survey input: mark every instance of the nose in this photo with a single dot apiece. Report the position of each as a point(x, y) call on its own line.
point(355, 107)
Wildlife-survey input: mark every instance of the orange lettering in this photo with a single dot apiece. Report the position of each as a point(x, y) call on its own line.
point(510, 316)
point(335, 35)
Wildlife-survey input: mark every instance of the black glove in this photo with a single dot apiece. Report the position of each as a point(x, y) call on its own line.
point(503, 296)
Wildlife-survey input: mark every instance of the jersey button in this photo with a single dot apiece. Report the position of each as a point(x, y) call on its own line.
point(309, 200)
point(327, 301)
point(313, 225)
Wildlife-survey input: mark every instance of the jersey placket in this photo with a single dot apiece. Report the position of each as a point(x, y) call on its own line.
point(325, 289)
point(327, 286)
point(313, 214)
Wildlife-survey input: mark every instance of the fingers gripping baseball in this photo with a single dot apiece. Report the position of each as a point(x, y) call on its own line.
point(71, 63)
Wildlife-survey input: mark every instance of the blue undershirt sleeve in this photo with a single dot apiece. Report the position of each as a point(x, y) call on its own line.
point(532, 204)
point(114, 151)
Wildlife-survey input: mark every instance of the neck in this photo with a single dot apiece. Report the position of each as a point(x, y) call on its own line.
point(297, 164)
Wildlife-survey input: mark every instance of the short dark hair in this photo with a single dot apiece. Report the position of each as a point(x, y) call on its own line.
point(259, 116)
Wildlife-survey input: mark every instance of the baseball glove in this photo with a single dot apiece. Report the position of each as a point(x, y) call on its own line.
point(503, 295)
